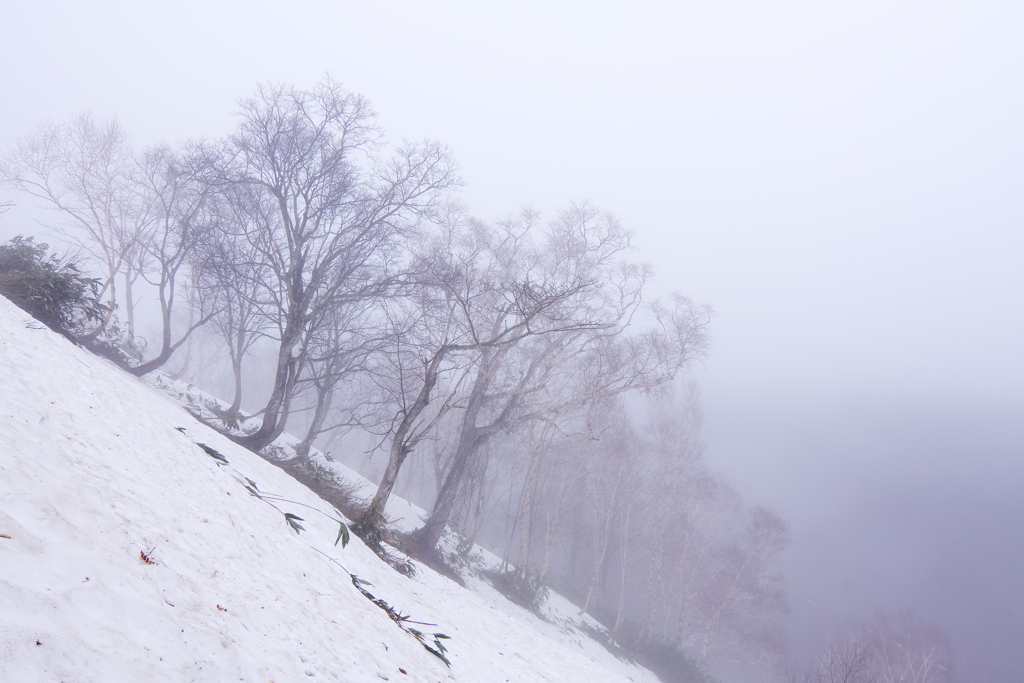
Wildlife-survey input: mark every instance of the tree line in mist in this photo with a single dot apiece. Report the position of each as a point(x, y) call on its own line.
point(516, 375)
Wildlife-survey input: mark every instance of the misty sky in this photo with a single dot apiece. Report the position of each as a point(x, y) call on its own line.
point(843, 182)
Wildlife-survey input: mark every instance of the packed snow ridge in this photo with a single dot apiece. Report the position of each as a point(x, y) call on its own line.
point(128, 553)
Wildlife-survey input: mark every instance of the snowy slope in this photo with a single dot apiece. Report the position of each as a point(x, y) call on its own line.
point(93, 473)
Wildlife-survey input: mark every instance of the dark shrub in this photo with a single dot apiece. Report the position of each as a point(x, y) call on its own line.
point(49, 288)
point(524, 589)
point(322, 481)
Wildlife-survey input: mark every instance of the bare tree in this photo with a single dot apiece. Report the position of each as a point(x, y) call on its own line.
point(703, 520)
point(88, 173)
point(229, 270)
point(899, 648)
point(136, 216)
point(802, 672)
point(343, 339)
point(675, 447)
point(844, 660)
point(331, 207)
point(407, 377)
point(182, 218)
point(743, 590)
point(614, 486)
point(471, 298)
point(905, 649)
point(577, 286)
point(549, 381)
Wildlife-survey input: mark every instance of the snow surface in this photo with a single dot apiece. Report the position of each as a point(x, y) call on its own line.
point(94, 473)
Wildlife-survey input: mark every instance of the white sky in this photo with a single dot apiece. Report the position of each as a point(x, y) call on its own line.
point(842, 181)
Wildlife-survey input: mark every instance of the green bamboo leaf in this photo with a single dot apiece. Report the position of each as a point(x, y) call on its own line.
point(293, 522)
point(343, 535)
point(439, 655)
point(213, 453)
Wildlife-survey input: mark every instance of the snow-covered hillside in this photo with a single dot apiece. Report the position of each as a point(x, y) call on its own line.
point(96, 476)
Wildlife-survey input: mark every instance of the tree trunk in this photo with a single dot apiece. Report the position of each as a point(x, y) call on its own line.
point(471, 439)
point(401, 445)
point(236, 349)
point(374, 514)
point(129, 307)
point(624, 563)
point(426, 538)
point(236, 370)
point(554, 518)
point(481, 506)
point(183, 370)
point(655, 584)
point(166, 349)
point(599, 557)
point(275, 415)
point(323, 406)
point(529, 492)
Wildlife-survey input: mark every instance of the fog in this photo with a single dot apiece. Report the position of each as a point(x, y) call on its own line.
point(841, 183)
